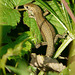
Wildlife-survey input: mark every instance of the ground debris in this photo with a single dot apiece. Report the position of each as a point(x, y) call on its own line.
point(46, 63)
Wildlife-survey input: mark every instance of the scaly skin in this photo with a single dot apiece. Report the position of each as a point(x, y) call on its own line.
point(47, 31)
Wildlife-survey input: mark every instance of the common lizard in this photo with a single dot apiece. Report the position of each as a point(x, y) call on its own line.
point(47, 30)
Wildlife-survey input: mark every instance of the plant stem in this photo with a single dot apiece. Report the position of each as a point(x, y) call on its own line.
point(68, 10)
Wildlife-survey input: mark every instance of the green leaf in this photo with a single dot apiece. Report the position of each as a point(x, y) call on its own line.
point(8, 16)
point(41, 73)
point(25, 36)
point(72, 68)
point(6, 3)
point(59, 9)
point(27, 46)
point(67, 20)
point(63, 46)
point(22, 68)
point(65, 71)
point(0, 35)
point(71, 52)
point(20, 2)
point(52, 73)
point(30, 22)
point(5, 37)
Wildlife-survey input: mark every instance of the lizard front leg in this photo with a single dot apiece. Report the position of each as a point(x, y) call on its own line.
point(59, 36)
point(40, 44)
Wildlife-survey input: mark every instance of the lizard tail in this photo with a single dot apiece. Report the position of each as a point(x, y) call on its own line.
point(49, 51)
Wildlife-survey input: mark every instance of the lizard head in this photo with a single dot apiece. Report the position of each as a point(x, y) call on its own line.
point(32, 8)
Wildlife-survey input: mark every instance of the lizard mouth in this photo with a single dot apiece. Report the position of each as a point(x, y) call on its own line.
point(26, 7)
point(29, 10)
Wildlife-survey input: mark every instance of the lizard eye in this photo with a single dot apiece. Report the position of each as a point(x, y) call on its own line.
point(27, 7)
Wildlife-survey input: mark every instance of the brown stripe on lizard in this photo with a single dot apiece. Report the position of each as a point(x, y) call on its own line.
point(47, 30)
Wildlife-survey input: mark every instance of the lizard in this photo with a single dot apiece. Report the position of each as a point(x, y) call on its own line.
point(46, 29)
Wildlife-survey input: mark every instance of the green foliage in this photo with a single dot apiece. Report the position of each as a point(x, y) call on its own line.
point(20, 2)
point(25, 36)
point(64, 72)
point(30, 22)
point(14, 50)
point(41, 73)
point(5, 37)
point(72, 67)
point(52, 73)
point(21, 69)
point(8, 15)
point(70, 27)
